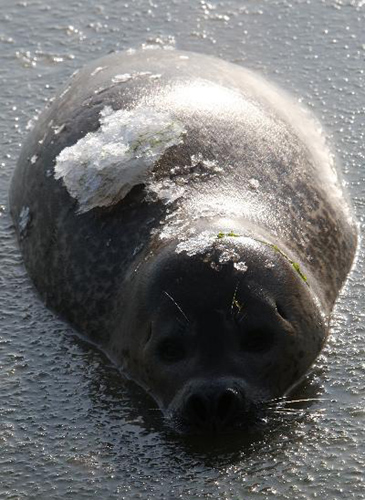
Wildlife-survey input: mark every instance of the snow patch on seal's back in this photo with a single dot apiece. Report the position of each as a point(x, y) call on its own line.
point(102, 167)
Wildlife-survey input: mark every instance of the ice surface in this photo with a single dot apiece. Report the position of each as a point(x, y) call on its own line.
point(97, 70)
point(174, 187)
point(102, 167)
point(165, 190)
point(24, 219)
point(253, 183)
point(240, 266)
point(227, 248)
point(125, 77)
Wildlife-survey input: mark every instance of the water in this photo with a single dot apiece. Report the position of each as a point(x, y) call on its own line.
point(70, 427)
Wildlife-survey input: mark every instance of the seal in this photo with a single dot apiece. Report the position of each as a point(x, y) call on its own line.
point(187, 216)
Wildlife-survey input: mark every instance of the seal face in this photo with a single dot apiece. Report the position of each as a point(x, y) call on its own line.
point(187, 216)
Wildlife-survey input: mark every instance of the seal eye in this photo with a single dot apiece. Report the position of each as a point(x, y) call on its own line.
point(171, 350)
point(257, 340)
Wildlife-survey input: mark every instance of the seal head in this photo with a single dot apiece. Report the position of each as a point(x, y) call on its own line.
point(212, 341)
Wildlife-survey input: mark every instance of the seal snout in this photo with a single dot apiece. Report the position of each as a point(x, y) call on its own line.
point(214, 408)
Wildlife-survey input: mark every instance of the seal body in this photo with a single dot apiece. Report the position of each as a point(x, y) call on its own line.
point(188, 217)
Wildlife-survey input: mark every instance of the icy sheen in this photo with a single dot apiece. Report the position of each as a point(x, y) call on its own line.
point(102, 167)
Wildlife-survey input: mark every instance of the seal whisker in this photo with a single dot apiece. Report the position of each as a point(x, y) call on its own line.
point(286, 413)
point(295, 413)
point(299, 411)
point(289, 410)
point(304, 400)
point(299, 400)
point(243, 315)
point(177, 305)
point(234, 300)
point(281, 402)
point(280, 398)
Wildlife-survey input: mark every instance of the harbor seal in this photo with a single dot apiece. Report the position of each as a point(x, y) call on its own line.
point(187, 216)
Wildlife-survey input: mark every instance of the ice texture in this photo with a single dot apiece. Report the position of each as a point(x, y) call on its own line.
point(126, 77)
point(97, 70)
point(175, 185)
point(102, 167)
point(24, 219)
point(240, 266)
point(165, 190)
point(227, 249)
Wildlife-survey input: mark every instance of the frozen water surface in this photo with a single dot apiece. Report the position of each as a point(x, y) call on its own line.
point(70, 426)
point(24, 219)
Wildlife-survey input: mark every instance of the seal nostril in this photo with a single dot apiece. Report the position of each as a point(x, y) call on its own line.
point(227, 404)
point(197, 408)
